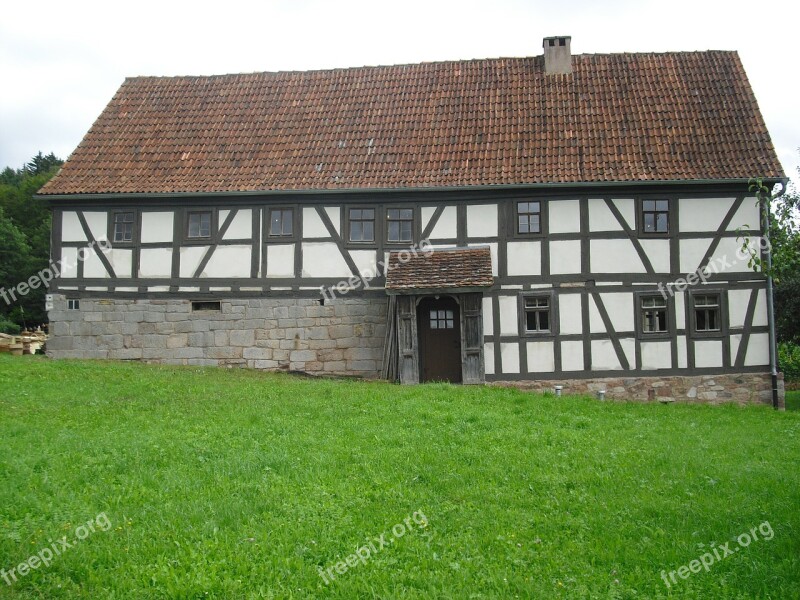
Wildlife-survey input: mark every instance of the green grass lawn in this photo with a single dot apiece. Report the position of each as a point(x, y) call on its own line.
point(238, 484)
point(793, 400)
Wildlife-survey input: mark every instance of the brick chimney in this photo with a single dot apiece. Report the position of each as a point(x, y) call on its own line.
point(557, 55)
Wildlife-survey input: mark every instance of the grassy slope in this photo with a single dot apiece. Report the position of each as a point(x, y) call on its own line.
point(239, 484)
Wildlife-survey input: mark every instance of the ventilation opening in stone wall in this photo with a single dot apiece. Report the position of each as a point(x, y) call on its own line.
point(200, 306)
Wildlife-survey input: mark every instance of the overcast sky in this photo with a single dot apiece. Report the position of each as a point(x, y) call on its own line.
point(61, 62)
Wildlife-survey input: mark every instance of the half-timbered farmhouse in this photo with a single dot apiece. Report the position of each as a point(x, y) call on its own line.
point(556, 220)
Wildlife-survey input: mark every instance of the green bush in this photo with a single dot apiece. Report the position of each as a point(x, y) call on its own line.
point(789, 361)
point(9, 327)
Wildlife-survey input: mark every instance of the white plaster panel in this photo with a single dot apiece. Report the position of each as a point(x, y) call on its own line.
point(619, 307)
point(760, 315)
point(488, 316)
point(98, 224)
point(658, 253)
point(604, 358)
point(313, 227)
point(524, 258)
point(69, 263)
point(155, 262)
point(92, 265)
point(595, 320)
point(565, 216)
point(600, 216)
point(627, 208)
point(702, 214)
point(488, 353)
point(242, 226)
point(509, 358)
point(757, 350)
point(747, 217)
point(569, 314)
point(334, 214)
point(323, 259)
point(614, 256)
point(565, 257)
point(730, 249)
point(572, 356)
point(737, 307)
point(682, 352)
point(707, 353)
point(541, 358)
point(656, 355)
point(157, 227)
point(493, 252)
point(190, 259)
point(229, 261)
point(366, 261)
point(122, 262)
point(735, 339)
point(692, 252)
point(509, 322)
point(446, 227)
point(71, 230)
point(629, 348)
point(680, 310)
point(482, 220)
point(280, 260)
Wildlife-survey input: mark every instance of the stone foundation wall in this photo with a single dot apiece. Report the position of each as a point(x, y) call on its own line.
point(741, 388)
point(343, 337)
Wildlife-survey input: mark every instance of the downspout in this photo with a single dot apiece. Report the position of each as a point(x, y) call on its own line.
point(773, 346)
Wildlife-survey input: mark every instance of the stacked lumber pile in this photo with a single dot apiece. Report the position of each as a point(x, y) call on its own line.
point(27, 342)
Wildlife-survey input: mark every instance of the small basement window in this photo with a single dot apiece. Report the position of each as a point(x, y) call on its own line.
point(73, 304)
point(200, 306)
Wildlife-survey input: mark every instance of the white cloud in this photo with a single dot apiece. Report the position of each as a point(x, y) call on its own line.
point(61, 63)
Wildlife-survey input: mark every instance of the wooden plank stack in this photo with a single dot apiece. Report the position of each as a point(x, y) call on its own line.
point(27, 342)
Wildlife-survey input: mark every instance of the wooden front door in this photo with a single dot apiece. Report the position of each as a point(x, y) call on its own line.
point(439, 340)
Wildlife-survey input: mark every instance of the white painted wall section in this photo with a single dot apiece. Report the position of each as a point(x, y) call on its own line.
point(620, 309)
point(509, 358)
point(572, 356)
point(313, 227)
point(69, 263)
point(280, 260)
point(600, 216)
point(569, 314)
point(565, 257)
point(334, 214)
point(488, 353)
point(541, 357)
point(656, 355)
point(524, 258)
point(155, 263)
point(702, 214)
point(757, 350)
point(98, 224)
point(242, 226)
point(747, 217)
point(488, 316)
point(707, 353)
point(509, 322)
point(71, 230)
point(157, 227)
point(190, 259)
point(229, 261)
point(658, 253)
point(366, 261)
point(323, 259)
point(627, 208)
point(565, 216)
point(614, 256)
point(482, 220)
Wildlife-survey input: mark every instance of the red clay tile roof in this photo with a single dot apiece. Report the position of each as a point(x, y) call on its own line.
point(441, 269)
point(617, 117)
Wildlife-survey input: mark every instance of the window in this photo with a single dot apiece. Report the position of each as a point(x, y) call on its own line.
point(199, 225)
point(281, 222)
point(442, 319)
point(362, 224)
point(200, 306)
point(123, 227)
point(537, 314)
point(706, 312)
point(654, 314)
point(655, 216)
point(400, 224)
point(529, 217)
point(73, 304)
